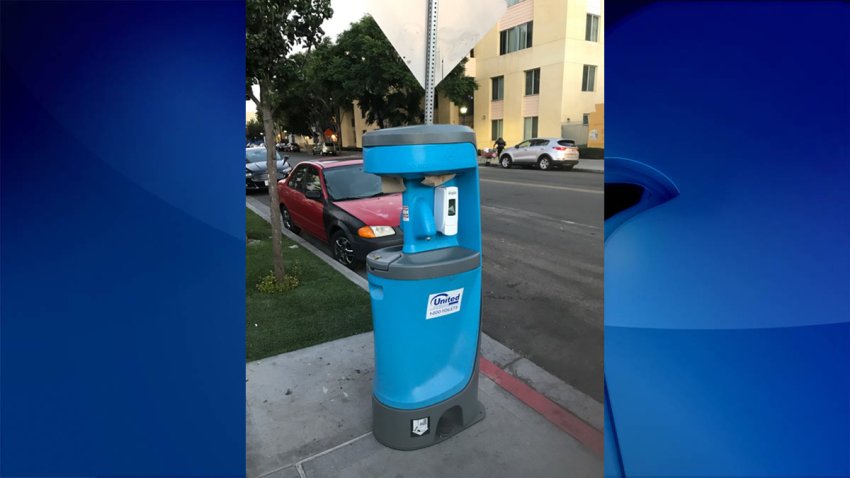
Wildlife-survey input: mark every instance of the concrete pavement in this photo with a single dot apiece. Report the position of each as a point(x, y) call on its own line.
point(309, 415)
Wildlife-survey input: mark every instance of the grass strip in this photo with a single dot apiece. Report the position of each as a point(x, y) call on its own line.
point(325, 306)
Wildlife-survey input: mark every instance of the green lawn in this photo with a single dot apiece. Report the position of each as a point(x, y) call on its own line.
point(326, 306)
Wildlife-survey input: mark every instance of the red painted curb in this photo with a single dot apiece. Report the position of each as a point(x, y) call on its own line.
point(557, 415)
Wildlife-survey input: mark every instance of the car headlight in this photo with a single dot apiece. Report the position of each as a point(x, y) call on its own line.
point(375, 231)
point(247, 173)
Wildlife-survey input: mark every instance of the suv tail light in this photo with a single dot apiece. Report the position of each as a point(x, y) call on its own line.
point(560, 148)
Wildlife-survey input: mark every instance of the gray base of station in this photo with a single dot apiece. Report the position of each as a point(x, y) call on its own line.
point(403, 429)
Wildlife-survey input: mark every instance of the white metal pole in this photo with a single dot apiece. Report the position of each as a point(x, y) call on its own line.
point(430, 62)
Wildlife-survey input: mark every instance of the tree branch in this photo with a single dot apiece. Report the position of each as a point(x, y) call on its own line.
point(253, 97)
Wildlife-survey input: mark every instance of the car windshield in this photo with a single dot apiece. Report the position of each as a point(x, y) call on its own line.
point(350, 182)
point(257, 154)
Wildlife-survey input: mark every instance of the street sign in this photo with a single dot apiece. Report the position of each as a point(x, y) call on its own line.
point(460, 26)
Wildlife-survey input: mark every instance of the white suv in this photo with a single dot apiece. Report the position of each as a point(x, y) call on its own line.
point(545, 153)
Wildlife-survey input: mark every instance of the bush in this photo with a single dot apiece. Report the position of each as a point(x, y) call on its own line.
point(591, 153)
point(269, 285)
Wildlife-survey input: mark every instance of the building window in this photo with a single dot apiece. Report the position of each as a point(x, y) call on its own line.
point(532, 82)
point(514, 2)
point(591, 31)
point(472, 53)
point(516, 38)
point(529, 129)
point(585, 119)
point(588, 78)
point(498, 84)
point(496, 129)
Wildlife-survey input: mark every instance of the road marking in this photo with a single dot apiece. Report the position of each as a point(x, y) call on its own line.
point(545, 186)
point(518, 213)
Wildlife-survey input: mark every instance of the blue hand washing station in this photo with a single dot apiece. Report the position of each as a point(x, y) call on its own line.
point(426, 294)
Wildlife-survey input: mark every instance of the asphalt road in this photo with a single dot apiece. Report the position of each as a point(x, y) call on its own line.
point(542, 277)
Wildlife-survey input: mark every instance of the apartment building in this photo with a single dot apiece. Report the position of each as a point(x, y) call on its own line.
point(540, 73)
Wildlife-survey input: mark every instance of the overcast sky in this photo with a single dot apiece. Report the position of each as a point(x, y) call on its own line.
point(345, 13)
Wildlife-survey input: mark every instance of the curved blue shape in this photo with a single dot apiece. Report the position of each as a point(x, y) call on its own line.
point(727, 319)
point(657, 187)
point(421, 362)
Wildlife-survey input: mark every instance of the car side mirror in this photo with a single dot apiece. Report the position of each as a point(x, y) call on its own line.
point(315, 195)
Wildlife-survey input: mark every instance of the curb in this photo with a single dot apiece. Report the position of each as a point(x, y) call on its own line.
point(596, 171)
point(573, 402)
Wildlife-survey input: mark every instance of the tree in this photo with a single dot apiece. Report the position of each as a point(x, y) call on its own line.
point(366, 68)
point(273, 29)
point(253, 130)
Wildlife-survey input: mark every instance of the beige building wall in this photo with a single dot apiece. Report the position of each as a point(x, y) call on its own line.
point(596, 134)
point(353, 126)
point(560, 50)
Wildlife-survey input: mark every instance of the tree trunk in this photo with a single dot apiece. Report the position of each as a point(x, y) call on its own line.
point(271, 165)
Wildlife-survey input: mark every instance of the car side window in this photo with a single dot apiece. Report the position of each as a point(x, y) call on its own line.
point(539, 142)
point(297, 178)
point(524, 144)
point(312, 181)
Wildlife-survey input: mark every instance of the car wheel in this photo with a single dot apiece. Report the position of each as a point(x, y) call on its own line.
point(544, 163)
point(287, 220)
point(343, 250)
point(506, 161)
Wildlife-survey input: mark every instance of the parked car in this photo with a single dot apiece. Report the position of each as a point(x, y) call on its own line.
point(325, 148)
point(545, 153)
point(288, 147)
point(339, 203)
point(256, 173)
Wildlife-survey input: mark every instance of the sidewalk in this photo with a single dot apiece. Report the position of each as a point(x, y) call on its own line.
point(309, 415)
point(590, 165)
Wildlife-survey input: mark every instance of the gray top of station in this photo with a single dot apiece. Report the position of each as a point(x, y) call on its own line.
point(419, 134)
point(392, 263)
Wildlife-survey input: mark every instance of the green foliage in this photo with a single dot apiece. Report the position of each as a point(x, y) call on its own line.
point(269, 285)
point(273, 28)
point(253, 130)
point(364, 66)
point(458, 87)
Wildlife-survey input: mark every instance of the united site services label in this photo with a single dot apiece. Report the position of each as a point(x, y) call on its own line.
point(444, 303)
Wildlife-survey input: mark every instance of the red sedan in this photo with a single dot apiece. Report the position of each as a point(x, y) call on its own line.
point(342, 205)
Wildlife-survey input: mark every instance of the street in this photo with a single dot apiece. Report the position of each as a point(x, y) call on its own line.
point(542, 276)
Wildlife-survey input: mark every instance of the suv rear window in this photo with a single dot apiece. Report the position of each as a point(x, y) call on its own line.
point(566, 142)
